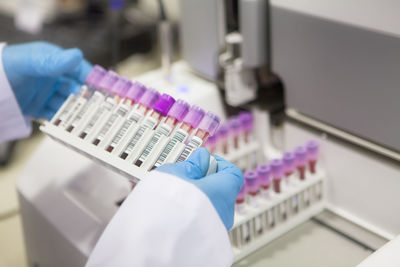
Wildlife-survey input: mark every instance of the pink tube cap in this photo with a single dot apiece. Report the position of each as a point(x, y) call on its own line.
point(209, 123)
point(277, 168)
point(194, 116)
point(149, 98)
point(108, 80)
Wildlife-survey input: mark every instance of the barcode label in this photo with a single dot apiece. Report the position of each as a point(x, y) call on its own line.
point(79, 102)
point(133, 118)
point(121, 111)
point(96, 98)
point(148, 123)
point(106, 106)
point(67, 107)
point(194, 143)
point(179, 137)
point(163, 130)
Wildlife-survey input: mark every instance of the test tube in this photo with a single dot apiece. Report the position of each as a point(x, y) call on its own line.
point(145, 103)
point(277, 174)
point(252, 183)
point(120, 89)
point(91, 101)
point(264, 171)
point(105, 85)
point(301, 159)
point(175, 115)
point(207, 127)
point(69, 106)
point(222, 135)
point(241, 199)
point(211, 143)
point(246, 121)
point(190, 122)
point(312, 152)
point(160, 110)
point(234, 126)
point(277, 171)
point(289, 163)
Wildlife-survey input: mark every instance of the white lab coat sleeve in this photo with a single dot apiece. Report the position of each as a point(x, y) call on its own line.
point(13, 124)
point(165, 221)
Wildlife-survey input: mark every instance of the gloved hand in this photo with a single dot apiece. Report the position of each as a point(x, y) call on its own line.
point(42, 75)
point(221, 187)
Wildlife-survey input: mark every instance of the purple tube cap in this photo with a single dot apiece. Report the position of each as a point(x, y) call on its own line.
point(289, 162)
point(251, 179)
point(164, 104)
point(234, 125)
point(301, 155)
point(121, 87)
point(136, 91)
point(264, 172)
point(149, 98)
point(179, 110)
point(209, 123)
point(312, 148)
point(95, 76)
point(246, 120)
point(194, 116)
point(223, 131)
point(108, 80)
point(277, 168)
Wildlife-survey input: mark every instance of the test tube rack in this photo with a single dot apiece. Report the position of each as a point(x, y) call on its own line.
point(259, 224)
point(121, 166)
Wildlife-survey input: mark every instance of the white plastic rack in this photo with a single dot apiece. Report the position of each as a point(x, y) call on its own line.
point(124, 167)
point(268, 218)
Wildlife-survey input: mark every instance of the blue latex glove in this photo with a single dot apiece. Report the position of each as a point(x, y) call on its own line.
point(42, 75)
point(221, 187)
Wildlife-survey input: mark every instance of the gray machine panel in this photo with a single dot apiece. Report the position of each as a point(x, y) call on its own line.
point(202, 34)
point(342, 75)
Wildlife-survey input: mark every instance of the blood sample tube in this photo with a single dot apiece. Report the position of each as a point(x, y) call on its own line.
point(312, 154)
point(234, 126)
point(289, 163)
point(207, 127)
point(120, 89)
point(190, 122)
point(91, 101)
point(175, 115)
point(68, 109)
point(241, 199)
point(252, 183)
point(277, 171)
point(160, 110)
point(264, 172)
point(105, 85)
point(211, 143)
point(301, 159)
point(246, 121)
point(277, 174)
point(222, 135)
point(146, 102)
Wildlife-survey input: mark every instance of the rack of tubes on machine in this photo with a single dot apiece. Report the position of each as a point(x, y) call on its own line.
point(276, 197)
point(133, 129)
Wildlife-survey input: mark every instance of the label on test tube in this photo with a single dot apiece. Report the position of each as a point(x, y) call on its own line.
point(150, 123)
point(178, 137)
point(64, 110)
point(190, 121)
point(78, 105)
point(193, 144)
point(96, 98)
point(295, 203)
point(106, 106)
point(270, 217)
point(120, 113)
point(162, 130)
point(160, 109)
point(176, 114)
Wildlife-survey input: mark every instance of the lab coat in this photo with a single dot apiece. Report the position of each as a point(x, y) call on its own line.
point(165, 221)
point(13, 125)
